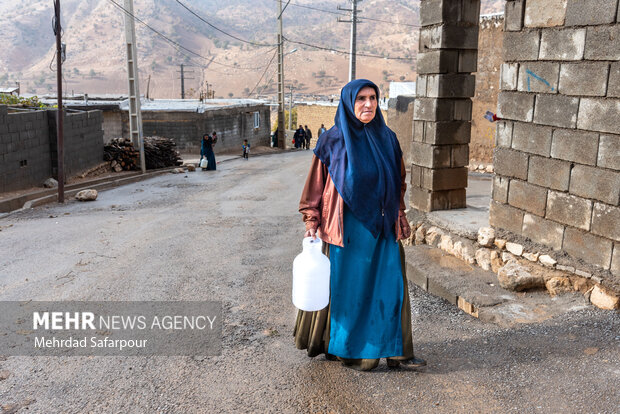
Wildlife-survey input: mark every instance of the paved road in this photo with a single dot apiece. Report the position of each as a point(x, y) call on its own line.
point(231, 235)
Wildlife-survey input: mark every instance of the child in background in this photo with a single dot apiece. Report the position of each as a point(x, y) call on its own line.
point(246, 149)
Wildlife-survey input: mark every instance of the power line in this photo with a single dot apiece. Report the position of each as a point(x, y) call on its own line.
point(176, 44)
point(344, 52)
point(222, 31)
point(261, 76)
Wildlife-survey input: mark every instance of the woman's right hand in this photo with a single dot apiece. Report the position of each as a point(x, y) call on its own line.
point(310, 233)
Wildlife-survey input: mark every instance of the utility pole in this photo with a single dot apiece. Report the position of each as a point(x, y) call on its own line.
point(281, 133)
point(290, 109)
point(135, 115)
point(60, 115)
point(148, 86)
point(353, 47)
point(183, 79)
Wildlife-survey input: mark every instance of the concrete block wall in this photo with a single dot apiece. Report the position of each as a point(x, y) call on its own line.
point(24, 149)
point(557, 156)
point(442, 112)
point(232, 125)
point(82, 139)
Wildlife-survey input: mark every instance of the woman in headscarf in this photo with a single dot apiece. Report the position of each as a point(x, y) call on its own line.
point(354, 201)
point(206, 150)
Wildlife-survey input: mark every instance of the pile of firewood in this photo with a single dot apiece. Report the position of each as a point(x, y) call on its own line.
point(158, 153)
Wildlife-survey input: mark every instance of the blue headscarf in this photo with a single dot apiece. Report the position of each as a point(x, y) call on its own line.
point(364, 162)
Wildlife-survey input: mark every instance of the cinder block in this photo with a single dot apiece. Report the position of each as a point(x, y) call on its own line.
point(539, 77)
point(590, 13)
point(546, 232)
point(430, 156)
point(549, 173)
point(532, 138)
point(451, 12)
point(420, 86)
point(615, 261)
point(609, 152)
point(613, 87)
point(431, 109)
point(603, 43)
point(500, 189)
point(504, 134)
point(443, 133)
point(459, 156)
point(508, 75)
point(544, 13)
point(575, 145)
point(448, 37)
point(527, 197)
point(418, 131)
point(596, 183)
point(3, 110)
point(442, 178)
point(520, 46)
point(513, 15)
point(450, 86)
point(597, 114)
point(566, 44)
point(606, 221)
point(584, 78)
point(568, 209)
point(516, 106)
point(556, 110)
point(437, 61)
point(510, 163)
point(426, 200)
point(590, 248)
point(468, 61)
point(503, 216)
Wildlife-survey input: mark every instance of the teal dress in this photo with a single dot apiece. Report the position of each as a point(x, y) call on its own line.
point(366, 294)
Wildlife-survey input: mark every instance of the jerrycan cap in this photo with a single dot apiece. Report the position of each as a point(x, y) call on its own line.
point(310, 243)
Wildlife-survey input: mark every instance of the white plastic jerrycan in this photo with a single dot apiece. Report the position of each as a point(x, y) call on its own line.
point(311, 277)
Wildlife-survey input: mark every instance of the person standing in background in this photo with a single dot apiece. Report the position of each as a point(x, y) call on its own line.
point(308, 137)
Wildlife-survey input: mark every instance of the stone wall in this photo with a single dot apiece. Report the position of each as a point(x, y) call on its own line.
point(28, 146)
point(490, 39)
point(25, 159)
point(557, 156)
point(232, 125)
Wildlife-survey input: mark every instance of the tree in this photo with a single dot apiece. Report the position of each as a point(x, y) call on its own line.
point(230, 94)
point(92, 73)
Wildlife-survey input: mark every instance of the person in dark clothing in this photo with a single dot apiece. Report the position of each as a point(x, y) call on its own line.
point(246, 149)
point(321, 130)
point(299, 137)
point(308, 137)
point(206, 149)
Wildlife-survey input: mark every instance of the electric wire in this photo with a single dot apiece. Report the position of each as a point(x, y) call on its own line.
point(261, 76)
point(222, 31)
point(344, 52)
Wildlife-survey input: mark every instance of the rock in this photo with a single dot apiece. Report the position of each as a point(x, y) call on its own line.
point(446, 244)
point(489, 168)
point(547, 260)
point(50, 183)
point(191, 167)
point(580, 285)
point(113, 163)
point(500, 243)
point(496, 263)
point(604, 299)
point(514, 248)
point(177, 171)
point(563, 268)
point(557, 285)
point(513, 276)
point(420, 234)
point(464, 250)
point(86, 195)
point(483, 258)
point(118, 168)
point(532, 257)
point(507, 257)
point(481, 167)
point(433, 236)
point(486, 236)
point(583, 273)
point(4, 374)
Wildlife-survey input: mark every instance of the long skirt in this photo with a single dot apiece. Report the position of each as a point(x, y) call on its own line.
point(369, 315)
point(210, 158)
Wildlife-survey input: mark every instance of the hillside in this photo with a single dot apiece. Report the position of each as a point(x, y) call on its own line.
point(93, 32)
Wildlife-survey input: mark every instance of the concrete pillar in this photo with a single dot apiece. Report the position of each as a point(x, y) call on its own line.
point(447, 55)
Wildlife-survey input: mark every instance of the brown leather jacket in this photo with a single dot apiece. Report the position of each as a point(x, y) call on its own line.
point(322, 206)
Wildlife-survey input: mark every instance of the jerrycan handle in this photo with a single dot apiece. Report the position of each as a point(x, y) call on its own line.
point(311, 244)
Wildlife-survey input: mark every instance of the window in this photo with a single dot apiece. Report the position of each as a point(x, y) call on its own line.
point(256, 120)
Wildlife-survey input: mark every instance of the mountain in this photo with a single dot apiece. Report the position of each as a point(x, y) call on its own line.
point(93, 31)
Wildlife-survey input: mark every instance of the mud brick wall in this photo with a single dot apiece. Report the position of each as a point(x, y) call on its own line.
point(314, 115)
point(25, 159)
point(557, 156)
point(232, 125)
point(82, 141)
